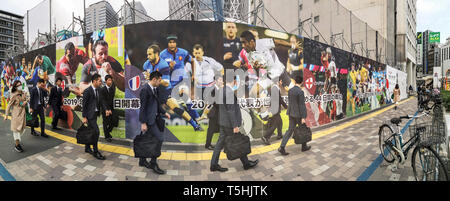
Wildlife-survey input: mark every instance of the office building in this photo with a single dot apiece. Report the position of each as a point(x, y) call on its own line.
point(11, 35)
point(99, 16)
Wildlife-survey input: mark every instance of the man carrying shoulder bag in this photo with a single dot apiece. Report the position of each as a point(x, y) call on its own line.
point(230, 120)
point(296, 112)
point(152, 124)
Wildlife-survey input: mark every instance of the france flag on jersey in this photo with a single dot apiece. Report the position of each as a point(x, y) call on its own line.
point(134, 83)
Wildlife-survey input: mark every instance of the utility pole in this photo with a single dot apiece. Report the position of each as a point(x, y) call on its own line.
point(299, 19)
point(50, 30)
point(84, 18)
point(73, 24)
point(134, 12)
point(367, 43)
point(351, 32)
point(28, 30)
point(376, 46)
point(395, 33)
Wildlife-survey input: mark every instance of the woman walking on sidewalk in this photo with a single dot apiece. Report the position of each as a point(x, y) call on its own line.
point(16, 106)
point(396, 95)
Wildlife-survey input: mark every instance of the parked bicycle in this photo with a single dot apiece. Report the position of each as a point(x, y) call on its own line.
point(426, 162)
point(426, 97)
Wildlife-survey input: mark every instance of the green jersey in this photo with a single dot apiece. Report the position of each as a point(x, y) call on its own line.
point(47, 66)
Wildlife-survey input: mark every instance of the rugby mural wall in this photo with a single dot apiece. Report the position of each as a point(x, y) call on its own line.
point(74, 61)
point(194, 56)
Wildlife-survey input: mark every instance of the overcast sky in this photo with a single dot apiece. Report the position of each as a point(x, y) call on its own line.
point(431, 14)
point(158, 9)
point(434, 15)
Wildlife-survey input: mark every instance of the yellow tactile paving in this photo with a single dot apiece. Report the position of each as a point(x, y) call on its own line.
point(207, 156)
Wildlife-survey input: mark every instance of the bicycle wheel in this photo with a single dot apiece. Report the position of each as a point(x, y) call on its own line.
point(437, 110)
point(384, 134)
point(427, 165)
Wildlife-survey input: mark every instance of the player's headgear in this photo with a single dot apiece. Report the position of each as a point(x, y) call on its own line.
point(172, 37)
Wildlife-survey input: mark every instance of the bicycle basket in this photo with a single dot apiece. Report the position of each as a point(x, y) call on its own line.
point(430, 133)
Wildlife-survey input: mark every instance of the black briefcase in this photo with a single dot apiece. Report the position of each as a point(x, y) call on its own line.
point(63, 115)
point(86, 135)
point(145, 146)
point(160, 123)
point(33, 123)
point(302, 134)
point(115, 120)
point(237, 145)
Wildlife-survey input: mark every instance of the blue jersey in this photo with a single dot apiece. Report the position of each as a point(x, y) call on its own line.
point(35, 76)
point(162, 67)
point(181, 57)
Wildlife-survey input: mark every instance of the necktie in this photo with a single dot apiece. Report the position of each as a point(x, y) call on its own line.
point(41, 97)
point(155, 91)
point(96, 100)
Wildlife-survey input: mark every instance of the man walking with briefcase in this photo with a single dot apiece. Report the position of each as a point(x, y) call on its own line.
point(91, 110)
point(296, 112)
point(38, 106)
point(152, 124)
point(107, 94)
point(56, 101)
point(230, 120)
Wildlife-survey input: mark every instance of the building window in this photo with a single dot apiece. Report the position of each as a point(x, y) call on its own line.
point(448, 53)
point(316, 38)
point(316, 1)
point(316, 19)
point(300, 7)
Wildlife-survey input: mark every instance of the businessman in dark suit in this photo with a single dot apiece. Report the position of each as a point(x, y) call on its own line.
point(213, 113)
point(275, 122)
point(107, 94)
point(38, 105)
point(230, 120)
point(150, 109)
point(56, 101)
point(91, 110)
point(296, 112)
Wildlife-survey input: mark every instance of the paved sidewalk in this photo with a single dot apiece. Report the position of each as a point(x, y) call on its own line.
point(341, 156)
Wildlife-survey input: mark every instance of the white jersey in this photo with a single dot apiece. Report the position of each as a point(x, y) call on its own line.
point(266, 56)
point(339, 104)
point(205, 71)
point(332, 69)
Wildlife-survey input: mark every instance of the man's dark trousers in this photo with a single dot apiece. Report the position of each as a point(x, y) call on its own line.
point(275, 123)
point(39, 111)
point(220, 145)
point(293, 122)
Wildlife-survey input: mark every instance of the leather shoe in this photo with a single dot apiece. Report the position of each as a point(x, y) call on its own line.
point(210, 147)
point(306, 148)
point(89, 151)
point(282, 151)
point(144, 163)
point(251, 164)
point(56, 129)
point(44, 135)
point(99, 156)
point(156, 169)
point(265, 141)
point(109, 139)
point(279, 137)
point(218, 168)
point(34, 133)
